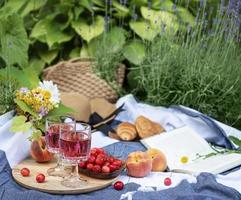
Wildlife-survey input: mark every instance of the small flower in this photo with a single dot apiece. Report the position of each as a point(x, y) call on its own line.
point(52, 89)
point(24, 90)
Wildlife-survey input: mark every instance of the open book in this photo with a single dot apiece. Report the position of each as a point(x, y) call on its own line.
point(182, 147)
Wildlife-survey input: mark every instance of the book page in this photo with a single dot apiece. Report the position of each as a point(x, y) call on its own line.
point(215, 164)
point(175, 144)
point(185, 142)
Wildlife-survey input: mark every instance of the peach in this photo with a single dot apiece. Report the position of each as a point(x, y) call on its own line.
point(138, 164)
point(159, 161)
point(39, 152)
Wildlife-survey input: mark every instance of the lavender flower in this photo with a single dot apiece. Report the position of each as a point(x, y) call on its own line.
point(24, 90)
point(43, 112)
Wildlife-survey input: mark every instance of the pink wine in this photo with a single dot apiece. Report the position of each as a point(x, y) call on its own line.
point(52, 138)
point(75, 146)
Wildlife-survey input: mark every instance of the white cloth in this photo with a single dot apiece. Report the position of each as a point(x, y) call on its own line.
point(16, 145)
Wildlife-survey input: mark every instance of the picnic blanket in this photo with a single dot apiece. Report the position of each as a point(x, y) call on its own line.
point(205, 186)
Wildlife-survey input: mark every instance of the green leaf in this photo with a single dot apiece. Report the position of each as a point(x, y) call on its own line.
point(186, 16)
point(235, 140)
point(25, 78)
point(143, 29)
point(13, 41)
point(135, 52)
point(36, 135)
point(26, 108)
point(74, 53)
point(47, 31)
point(86, 4)
point(121, 10)
point(19, 124)
point(36, 65)
point(61, 110)
point(160, 19)
point(162, 5)
point(31, 75)
point(16, 5)
point(84, 52)
point(116, 39)
point(99, 3)
point(49, 55)
point(138, 2)
point(39, 30)
point(88, 32)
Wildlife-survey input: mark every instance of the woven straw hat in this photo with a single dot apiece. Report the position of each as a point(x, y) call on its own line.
point(77, 75)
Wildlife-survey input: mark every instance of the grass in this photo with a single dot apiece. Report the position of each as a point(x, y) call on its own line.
point(200, 69)
point(7, 95)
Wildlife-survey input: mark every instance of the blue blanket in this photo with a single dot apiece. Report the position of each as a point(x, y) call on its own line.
point(205, 188)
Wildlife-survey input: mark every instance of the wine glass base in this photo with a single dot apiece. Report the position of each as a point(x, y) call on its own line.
point(59, 171)
point(74, 182)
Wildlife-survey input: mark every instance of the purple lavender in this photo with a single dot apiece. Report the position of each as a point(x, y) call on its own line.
point(24, 90)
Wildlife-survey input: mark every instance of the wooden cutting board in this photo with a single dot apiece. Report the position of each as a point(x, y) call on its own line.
point(53, 184)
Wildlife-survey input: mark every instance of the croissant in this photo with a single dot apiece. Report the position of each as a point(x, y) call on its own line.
point(146, 128)
point(126, 131)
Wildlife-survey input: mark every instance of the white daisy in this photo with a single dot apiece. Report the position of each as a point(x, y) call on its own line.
point(53, 89)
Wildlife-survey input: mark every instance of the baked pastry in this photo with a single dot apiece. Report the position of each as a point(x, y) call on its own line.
point(126, 131)
point(146, 128)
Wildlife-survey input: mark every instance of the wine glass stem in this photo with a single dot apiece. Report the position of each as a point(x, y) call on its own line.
point(76, 170)
point(59, 165)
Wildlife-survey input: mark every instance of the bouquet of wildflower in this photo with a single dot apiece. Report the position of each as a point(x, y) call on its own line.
point(33, 106)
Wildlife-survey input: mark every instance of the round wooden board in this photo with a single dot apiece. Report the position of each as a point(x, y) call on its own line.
point(53, 184)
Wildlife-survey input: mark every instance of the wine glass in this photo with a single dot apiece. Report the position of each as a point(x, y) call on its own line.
point(52, 142)
point(75, 147)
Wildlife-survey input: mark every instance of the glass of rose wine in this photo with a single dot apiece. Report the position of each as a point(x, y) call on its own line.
point(75, 147)
point(52, 141)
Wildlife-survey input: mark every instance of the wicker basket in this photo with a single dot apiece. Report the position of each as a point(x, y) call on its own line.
point(77, 75)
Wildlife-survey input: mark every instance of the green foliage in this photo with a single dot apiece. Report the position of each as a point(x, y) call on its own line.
point(36, 135)
point(19, 124)
point(135, 52)
point(59, 29)
point(7, 95)
point(27, 77)
point(198, 70)
point(13, 40)
point(25, 108)
point(107, 51)
point(88, 32)
point(235, 141)
point(61, 110)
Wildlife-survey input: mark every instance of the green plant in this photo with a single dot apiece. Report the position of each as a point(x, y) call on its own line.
point(62, 29)
point(200, 69)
